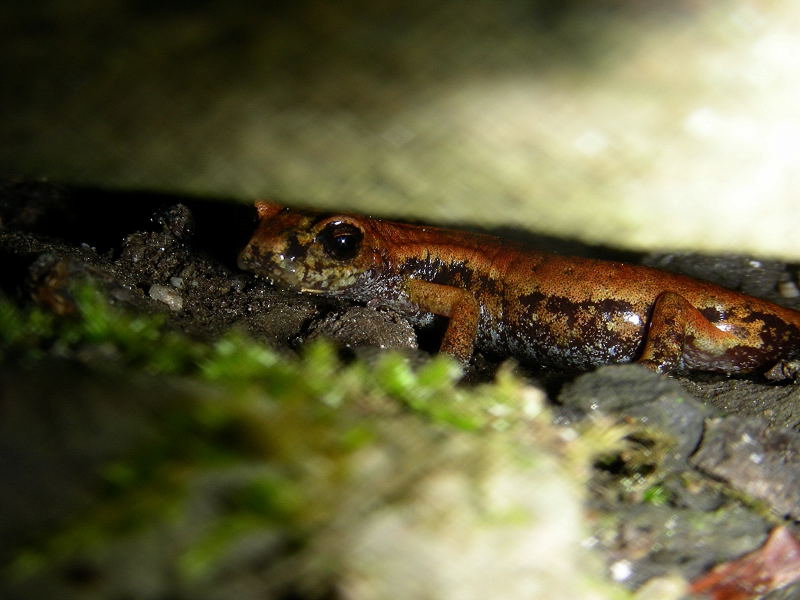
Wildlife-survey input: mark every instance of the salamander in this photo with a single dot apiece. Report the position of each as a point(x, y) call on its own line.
point(544, 309)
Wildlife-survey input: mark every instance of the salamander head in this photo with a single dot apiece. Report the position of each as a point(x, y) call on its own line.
point(309, 251)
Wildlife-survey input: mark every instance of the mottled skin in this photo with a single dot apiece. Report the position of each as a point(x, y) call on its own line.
point(542, 308)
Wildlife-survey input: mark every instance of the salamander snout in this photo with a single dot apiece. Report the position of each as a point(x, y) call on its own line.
point(246, 260)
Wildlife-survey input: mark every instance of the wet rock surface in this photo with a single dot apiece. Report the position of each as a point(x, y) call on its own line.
point(708, 464)
point(760, 461)
point(650, 540)
point(777, 404)
point(643, 398)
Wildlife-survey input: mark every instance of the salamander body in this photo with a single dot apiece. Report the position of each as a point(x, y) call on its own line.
point(544, 309)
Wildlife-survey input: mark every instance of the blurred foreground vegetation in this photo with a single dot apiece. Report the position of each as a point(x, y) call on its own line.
point(263, 475)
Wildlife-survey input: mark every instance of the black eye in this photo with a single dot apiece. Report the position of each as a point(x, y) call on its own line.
point(341, 241)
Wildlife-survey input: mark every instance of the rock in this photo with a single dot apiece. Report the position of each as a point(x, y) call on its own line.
point(652, 400)
point(365, 326)
point(778, 405)
point(761, 461)
point(168, 295)
point(649, 537)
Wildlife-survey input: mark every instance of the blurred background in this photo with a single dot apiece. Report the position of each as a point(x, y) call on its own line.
point(634, 123)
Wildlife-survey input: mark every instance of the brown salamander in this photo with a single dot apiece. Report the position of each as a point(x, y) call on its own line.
point(542, 308)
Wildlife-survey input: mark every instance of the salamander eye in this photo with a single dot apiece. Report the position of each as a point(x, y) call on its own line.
point(341, 241)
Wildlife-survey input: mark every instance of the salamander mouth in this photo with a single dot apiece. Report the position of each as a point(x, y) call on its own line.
point(272, 273)
point(297, 279)
point(301, 276)
point(281, 278)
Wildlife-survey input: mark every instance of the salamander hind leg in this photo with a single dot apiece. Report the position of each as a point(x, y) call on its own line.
point(681, 337)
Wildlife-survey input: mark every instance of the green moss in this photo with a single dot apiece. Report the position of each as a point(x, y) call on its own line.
point(140, 340)
point(273, 435)
point(101, 333)
point(22, 331)
point(656, 495)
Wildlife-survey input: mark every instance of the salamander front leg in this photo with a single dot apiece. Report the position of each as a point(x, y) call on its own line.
point(459, 305)
point(681, 337)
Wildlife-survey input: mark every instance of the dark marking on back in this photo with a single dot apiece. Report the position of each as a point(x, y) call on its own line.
point(776, 334)
point(456, 274)
point(557, 331)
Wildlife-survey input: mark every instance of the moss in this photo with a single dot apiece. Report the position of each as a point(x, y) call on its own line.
point(101, 335)
point(303, 458)
point(656, 495)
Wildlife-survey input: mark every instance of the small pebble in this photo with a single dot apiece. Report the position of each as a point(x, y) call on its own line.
point(168, 295)
point(788, 289)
